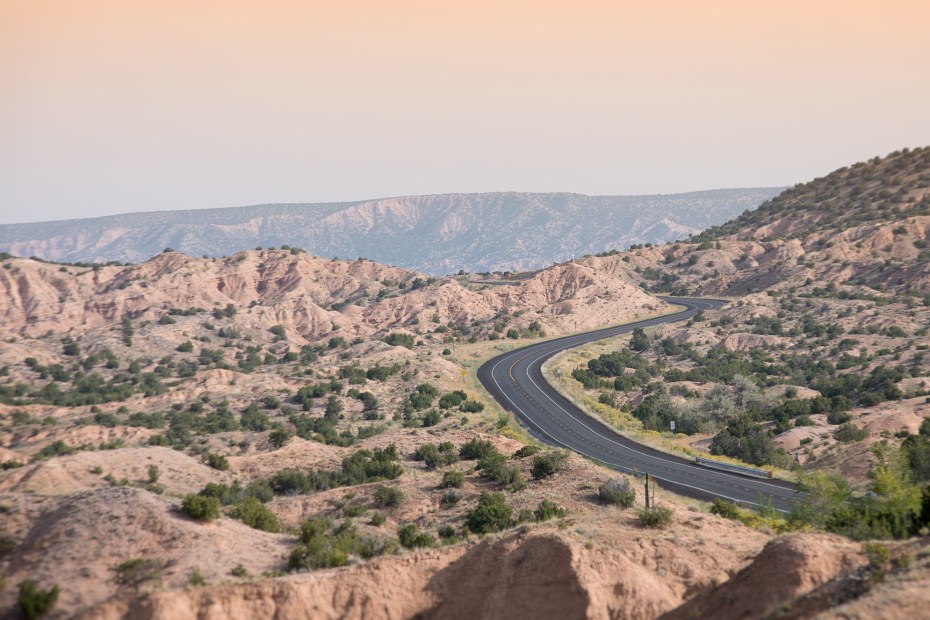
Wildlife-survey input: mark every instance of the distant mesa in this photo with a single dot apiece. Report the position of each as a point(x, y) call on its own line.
point(435, 234)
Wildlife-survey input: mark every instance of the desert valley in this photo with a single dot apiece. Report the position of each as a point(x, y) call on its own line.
point(275, 434)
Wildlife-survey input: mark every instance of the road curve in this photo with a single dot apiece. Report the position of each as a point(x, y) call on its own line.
point(515, 381)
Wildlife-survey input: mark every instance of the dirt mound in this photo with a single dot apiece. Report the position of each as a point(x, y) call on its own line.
point(787, 568)
point(178, 473)
point(546, 576)
point(77, 545)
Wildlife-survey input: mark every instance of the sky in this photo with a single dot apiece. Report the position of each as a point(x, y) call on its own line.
point(114, 106)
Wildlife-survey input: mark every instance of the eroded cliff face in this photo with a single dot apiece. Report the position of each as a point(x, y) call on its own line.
point(309, 296)
point(538, 575)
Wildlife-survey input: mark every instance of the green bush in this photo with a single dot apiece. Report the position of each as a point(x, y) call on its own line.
point(200, 508)
point(548, 510)
point(450, 498)
point(655, 517)
point(320, 548)
point(525, 451)
point(848, 432)
point(492, 514)
point(256, 515)
point(471, 406)
point(724, 508)
point(388, 497)
point(436, 456)
point(217, 461)
point(34, 601)
point(7, 545)
point(496, 467)
point(838, 417)
point(431, 418)
point(476, 449)
point(452, 399)
point(548, 463)
point(397, 339)
point(617, 492)
point(58, 448)
point(411, 538)
point(135, 572)
point(452, 480)
point(279, 437)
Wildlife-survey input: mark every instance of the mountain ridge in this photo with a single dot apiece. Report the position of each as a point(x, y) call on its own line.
point(433, 233)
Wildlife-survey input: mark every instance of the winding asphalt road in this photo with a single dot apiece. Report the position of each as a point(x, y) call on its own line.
point(515, 380)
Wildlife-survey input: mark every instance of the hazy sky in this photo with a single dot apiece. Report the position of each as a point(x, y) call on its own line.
point(111, 106)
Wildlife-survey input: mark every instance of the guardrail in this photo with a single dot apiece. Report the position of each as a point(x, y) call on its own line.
point(740, 469)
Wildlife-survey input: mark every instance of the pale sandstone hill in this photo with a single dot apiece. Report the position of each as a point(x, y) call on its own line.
point(310, 297)
point(78, 544)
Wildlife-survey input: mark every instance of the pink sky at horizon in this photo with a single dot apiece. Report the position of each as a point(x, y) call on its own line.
point(116, 106)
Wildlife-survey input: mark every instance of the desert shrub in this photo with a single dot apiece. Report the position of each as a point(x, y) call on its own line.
point(354, 510)
point(476, 449)
point(617, 492)
point(525, 451)
point(411, 538)
point(452, 399)
point(377, 519)
point(724, 508)
point(431, 418)
point(471, 406)
point(105, 418)
point(452, 480)
point(397, 339)
point(254, 419)
point(838, 417)
point(217, 461)
point(748, 441)
point(492, 514)
point(223, 492)
point(447, 534)
point(496, 467)
point(655, 517)
point(548, 510)
point(847, 433)
point(359, 468)
point(320, 548)
point(279, 437)
point(239, 571)
point(260, 490)
point(548, 463)
point(200, 508)
point(450, 498)
point(135, 572)
point(436, 456)
point(388, 497)
point(7, 545)
point(256, 515)
point(35, 602)
point(58, 448)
